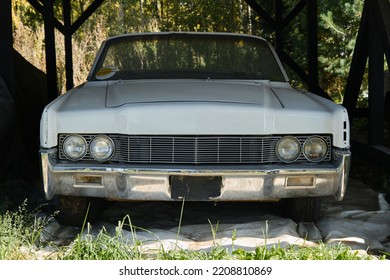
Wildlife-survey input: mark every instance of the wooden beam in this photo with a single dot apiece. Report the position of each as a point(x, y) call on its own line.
point(262, 13)
point(383, 12)
point(375, 78)
point(6, 44)
point(86, 14)
point(294, 66)
point(358, 64)
point(68, 43)
point(67, 29)
point(294, 13)
point(300, 72)
point(312, 45)
point(279, 25)
point(40, 8)
point(50, 49)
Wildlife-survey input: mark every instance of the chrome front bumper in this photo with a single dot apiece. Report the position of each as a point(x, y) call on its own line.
point(152, 182)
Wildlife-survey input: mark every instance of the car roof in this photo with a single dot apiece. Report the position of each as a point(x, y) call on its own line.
point(129, 35)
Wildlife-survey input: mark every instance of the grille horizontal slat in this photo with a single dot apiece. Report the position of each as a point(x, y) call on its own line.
point(195, 149)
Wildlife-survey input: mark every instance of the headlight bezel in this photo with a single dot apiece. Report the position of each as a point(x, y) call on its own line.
point(297, 153)
point(305, 144)
point(83, 151)
point(111, 146)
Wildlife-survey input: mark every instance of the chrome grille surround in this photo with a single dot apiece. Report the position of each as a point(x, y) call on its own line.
point(218, 149)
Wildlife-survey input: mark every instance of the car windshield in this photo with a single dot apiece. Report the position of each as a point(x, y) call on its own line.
point(187, 56)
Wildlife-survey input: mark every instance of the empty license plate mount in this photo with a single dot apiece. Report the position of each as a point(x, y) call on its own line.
point(195, 188)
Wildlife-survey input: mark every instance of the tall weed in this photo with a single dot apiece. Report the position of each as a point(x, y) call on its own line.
point(19, 233)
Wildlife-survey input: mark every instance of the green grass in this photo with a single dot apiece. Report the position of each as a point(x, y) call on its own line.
point(107, 247)
point(20, 233)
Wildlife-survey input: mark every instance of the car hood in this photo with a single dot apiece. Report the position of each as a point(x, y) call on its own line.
point(131, 92)
point(167, 107)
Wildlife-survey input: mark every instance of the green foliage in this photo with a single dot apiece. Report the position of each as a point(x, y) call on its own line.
point(101, 247)
point(321, 252)
point(106, 247)
point(338, 26)
point(215, 253)
point(19, 233)
point(24, 14)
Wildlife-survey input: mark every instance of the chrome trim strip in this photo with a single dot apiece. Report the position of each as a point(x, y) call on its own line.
point(152, 182)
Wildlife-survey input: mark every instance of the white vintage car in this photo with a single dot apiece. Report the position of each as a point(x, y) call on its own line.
point(195, 117)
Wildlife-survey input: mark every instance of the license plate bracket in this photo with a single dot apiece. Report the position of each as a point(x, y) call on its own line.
point(195, 188)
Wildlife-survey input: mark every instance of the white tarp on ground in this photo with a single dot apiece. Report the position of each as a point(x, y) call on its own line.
point(361, 221)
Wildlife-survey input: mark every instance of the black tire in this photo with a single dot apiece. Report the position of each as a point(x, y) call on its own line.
point(77, 211)
point(304, 209)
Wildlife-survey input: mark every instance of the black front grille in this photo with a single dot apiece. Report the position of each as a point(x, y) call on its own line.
point(194, 149)
point(198, 149)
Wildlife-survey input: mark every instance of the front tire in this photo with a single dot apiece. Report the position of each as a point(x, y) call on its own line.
point(304, 209)
point(77, 211)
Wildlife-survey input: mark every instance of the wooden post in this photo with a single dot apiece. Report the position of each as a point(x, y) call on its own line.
point(51, 65)
point(68, 43)
point(375, 79)
point(6, 42)
point(312, 45)
point(279, 26)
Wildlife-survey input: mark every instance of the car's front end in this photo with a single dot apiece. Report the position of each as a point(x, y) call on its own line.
point(174, 135)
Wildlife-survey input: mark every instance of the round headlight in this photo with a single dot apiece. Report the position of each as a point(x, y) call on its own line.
point(288, 149)
point(74, 147)
point(315, 148)
point(101, 148)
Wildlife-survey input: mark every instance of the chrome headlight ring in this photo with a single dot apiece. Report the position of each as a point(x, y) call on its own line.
point(101, 148)
point(315, 148)
point(74, 147)
point(288, 149)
